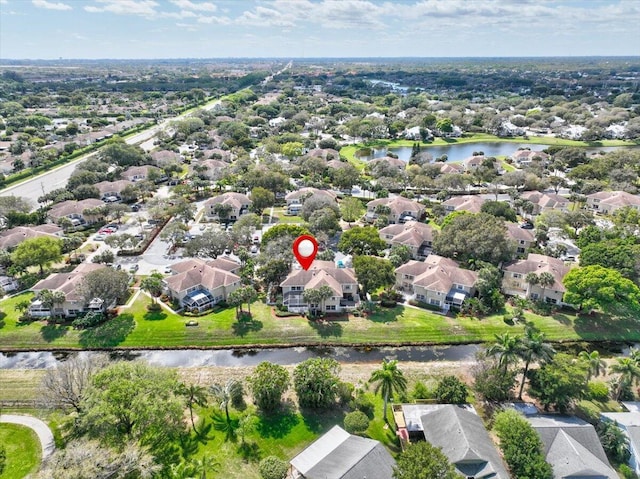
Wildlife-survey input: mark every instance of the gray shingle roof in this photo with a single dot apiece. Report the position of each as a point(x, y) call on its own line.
point(339, 455)
point(465, 441)
point(572, 447)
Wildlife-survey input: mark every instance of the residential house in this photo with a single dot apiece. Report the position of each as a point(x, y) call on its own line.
point(401, 209)
point(629, 422)
point(70, 284)
point(607, 202)
point(545, 201)
point(572, 447)
point(468, 203)
point(199, 284)
point(140, 173)
point(13, 237)
point(327, 154)
point(526, 157)
point(523, 238)
point(461, 435)
point(473, 162)
point(395, 163)
point(342, 281)
point(75, 211)
point(450, 168)
point(299, 196)
point(163, 158)
point(336, 164)
point(8, 284)
point(110, 190)
point(237, 202)
point(340, 455)
point(213, 168)
point(514, 282)
point(418, 237)
point(437, 281)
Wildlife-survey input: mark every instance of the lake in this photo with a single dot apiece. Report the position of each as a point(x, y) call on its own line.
point(459, 152)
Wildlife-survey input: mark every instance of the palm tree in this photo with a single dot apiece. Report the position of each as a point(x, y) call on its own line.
point(545, 280)
point(533, 349)
point(389, 380)
point(532, 279)
point(195, 396)
point(506, 348)
point(629, 372)
point(224, 394)
point(595, 363)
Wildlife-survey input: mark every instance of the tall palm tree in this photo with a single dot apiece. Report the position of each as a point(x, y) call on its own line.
point(224, 394)
point(532, 279)
point(533, 349)
point(389, 380)
point(595, 363)
point(545, 280)
point(195, 395)
point(629, 372)
point(506, 348)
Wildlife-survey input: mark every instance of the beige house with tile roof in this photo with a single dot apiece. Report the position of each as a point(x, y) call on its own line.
point(545, 201)
point(450, 167)
point(70, 284)
point(13, 237)
point(238, 202)
point(342, 281)
point(299, 196)
point(526, 157)
point(417, 236)
point(437, 281)
point(607, 202)
point(199, 284)
point(523, 238)
point(468, 203)
point(402, 209)
point(111, 188)
point(139, 173)
point(75, 211)
point(514, 282)
point(214, 168)
point(396, 163)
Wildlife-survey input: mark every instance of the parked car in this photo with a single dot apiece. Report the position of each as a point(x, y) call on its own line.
point(134, 268)
point(254, 249)
point(526, 225)
point(168, 270)
point(100, 237)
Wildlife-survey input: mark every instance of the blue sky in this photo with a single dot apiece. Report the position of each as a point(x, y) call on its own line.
point(316, 28)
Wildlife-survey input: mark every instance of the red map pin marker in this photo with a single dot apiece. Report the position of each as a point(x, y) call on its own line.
point(305, 249)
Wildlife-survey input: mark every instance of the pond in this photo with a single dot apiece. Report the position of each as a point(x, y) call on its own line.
point(456, 153)
point(251, 357)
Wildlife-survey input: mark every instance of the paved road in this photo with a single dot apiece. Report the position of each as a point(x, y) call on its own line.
point(40, 428)
point(35, 187)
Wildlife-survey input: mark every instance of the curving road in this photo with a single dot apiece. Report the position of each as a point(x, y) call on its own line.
point(39, 427)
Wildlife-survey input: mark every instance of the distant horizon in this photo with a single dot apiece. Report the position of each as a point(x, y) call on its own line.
point(307, 29)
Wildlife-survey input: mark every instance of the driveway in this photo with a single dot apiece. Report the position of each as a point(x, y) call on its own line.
point(39, 427)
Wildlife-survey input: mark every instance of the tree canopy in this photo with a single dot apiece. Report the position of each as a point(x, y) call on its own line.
point(421, 460)
point(37, 252)
point(315, 381)
point(594, 287)
point(373, 273)
point(361, 240)
point(268, 383)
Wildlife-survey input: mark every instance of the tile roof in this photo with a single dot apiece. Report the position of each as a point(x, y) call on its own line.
point(68, 283)
point(194, 272)
point(71, 207)
point(616, 198)
point(237, 200)
point(438, 274)
point(14, 236)
point(519, 234)
point(112, 186)
point(321, 271)
point(304, 193)
point(397, 205)
point(470, 203)
point(412, 233)
point(539, 263)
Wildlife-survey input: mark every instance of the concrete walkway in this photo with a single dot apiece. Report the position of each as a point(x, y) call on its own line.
point(40, 428)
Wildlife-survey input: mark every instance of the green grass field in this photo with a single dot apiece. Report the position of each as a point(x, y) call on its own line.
point(137, 328)
point(23, 450)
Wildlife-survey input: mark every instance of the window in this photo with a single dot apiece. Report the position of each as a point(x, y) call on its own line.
point(520, 250)
point(347, 286)
point(330, 307)
point(434, 302)
point(408, 276)
point(551, 300)
point(517, 275)
point(459, 286)
point(420, 297)
point(522, 241)
point(535, 295)
point(296, 288)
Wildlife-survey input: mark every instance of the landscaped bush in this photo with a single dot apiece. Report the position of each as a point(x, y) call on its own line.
point(598, 390)
point(626, 472)
point(345, 392)
point(364, 404)
point(272, 467)
point(420, 304)
point(88, 320)
point(422, 391)
point(356, 422)
point(154, 307)
point(451, 390)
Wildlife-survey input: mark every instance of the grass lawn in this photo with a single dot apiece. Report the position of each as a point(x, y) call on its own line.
point(23, 450)
point(136, 327)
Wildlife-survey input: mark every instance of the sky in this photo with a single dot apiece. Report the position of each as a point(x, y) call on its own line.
point(147, 29)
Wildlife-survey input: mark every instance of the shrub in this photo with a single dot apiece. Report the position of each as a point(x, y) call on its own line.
point(364, 404)
point(154, 307)
point(272, 467)
point(451, 390)
point(345, 392)
point(598, 390)
point(625, 470)
point(89, 320)
point(492, 382)
point(3, 458)
point(422, 391)
point(356, 422)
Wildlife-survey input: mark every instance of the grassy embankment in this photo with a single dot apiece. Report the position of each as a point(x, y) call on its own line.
point(137, 328)
point(22, 448)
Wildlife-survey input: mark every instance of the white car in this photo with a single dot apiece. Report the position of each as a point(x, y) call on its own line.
point(99, 237)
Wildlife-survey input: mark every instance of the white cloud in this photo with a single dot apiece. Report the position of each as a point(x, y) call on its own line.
point(50, 5)
point(214, 20)
point(125, 7)
point(189, 5)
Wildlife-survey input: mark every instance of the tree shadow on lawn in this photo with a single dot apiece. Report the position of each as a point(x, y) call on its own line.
point(249, 451)
point(51, 332)
point(385, 315)
point(562, 318)
point(277, 424)
point(154, 316)
point(608, 327)
point(321, 420)
point(326, 329)
point(245, 326)
point(109, 334)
